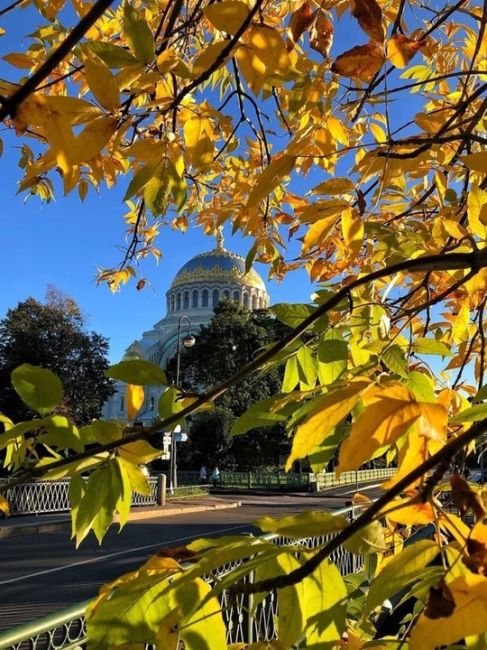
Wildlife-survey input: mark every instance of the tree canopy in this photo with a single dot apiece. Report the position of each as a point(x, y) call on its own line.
point(368, 154)
point(53, 335)
point(233, 336)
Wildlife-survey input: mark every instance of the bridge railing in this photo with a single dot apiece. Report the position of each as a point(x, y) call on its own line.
point(40, 497)
point(66, 630)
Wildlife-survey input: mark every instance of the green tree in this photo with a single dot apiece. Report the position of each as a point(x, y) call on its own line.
point(53, 335)
point(233, 336)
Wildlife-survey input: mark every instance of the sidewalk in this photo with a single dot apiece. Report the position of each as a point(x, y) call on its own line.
point(50, 523)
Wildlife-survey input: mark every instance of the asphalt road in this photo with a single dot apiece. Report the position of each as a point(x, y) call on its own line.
point(40, 574)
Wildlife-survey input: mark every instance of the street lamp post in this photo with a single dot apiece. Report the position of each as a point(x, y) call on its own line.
point(188, 342)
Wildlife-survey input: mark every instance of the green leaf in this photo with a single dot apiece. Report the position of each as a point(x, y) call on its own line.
point(140, 179)
point(369, 539)
point(202, 627)
point(155, 194)
point(137, 372)
point(401, 571)
point(421, 386)
point(291, 376)
point(321, 455)
point(258, 415)
point(137, 478)
point(481, 395)
point(305, 524)
point(324, 606)
point(18, 429)
point(169, 404)
point(113, 55)
point(100, 495)
point(138, 34)
point(332, 356)
point(394, 359)
point(125, 500)
point(61, 433)
point(307, 367)
point(431, 346)
point(76, 489)
point(473, 414)
point(101, 431)
point(292, 314)
point(39, 388)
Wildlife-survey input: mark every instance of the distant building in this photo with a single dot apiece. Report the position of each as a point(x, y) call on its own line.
point(198, 287)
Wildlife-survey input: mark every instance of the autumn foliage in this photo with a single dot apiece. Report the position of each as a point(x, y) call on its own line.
point(354, 130)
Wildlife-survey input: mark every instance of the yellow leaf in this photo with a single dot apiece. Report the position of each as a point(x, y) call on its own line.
point(167, 60)
point(378, 133)
point(459, 330)
point(477, 162)
point(227, 16)
point(361, 62)
point(4, 507)
point(134, 397)
point(198, 136)
point(102, 83)
point(401, 49)
point(252, 68)
point(477, 212)
point(353, 231)
point(387, 417)
point(317, 233)
point(329, 411)
point(269, 47)
point(271, 177)
point(208, 57)
point(19, 60)
point(468, 617)
point(402, 511)
point(334, 186)
point(138, 452)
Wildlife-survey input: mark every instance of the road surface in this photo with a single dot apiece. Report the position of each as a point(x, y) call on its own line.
point(40, 574)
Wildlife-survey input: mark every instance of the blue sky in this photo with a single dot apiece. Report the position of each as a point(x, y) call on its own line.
point(62, 243)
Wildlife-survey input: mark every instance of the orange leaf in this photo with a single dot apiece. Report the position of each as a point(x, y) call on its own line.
point(321, 37)
point(369, 16)
point(361, 62)
point(401, 49)
point(301, 19)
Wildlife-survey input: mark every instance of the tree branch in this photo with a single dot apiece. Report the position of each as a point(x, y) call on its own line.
point(475, 261)
point(292, 578)
point(10, 104)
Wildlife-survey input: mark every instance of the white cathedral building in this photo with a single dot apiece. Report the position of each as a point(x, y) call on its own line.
point(196, 290)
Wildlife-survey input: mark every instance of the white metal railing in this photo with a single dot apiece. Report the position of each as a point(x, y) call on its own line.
point(40, 497)
point(66, 630)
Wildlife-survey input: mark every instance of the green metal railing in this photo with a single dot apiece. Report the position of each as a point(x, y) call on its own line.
point(66, 629)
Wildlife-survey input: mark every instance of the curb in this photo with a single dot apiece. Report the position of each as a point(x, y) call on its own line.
point(7, 532)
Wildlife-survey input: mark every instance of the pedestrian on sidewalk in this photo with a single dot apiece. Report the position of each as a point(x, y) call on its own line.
point(203, 475)
point(215, 476)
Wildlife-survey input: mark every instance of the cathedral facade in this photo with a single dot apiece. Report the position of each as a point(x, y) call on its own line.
point(196, 290)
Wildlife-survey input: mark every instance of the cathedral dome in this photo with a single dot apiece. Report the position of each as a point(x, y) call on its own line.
point(217, 265)
point(216, 275)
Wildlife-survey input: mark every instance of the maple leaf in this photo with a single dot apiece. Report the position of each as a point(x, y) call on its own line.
point(361, 62)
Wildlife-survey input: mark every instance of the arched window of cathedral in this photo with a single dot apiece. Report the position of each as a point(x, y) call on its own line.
point(172, 302)
point(216, 297)
point(236, 296)
point(186, 300)
point(254, 302)
point(122, 404)
point(195, 299)
point(178, 301)
point(226, 294)
point(204, 298)
point(246, 300)
point(152, 403)
point(262, 302)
